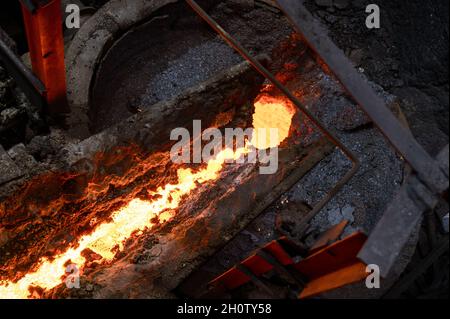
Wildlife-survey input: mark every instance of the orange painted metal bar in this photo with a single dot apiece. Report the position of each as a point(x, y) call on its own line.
point(333, 257)
point(328, 237)
point(46, 45)
point(331, 267)
point(344, 276)
point(234, 277)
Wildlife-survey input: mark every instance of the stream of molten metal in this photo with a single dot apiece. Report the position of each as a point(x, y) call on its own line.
point(137, 214)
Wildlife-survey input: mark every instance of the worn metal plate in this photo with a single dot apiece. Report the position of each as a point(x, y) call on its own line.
point(333, 257)
point(341, 277)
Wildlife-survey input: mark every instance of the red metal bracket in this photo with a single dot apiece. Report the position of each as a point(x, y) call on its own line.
point(235, 277)
point(46, 45)
point(325, 269)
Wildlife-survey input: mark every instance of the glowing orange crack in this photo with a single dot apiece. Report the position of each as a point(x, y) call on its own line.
point(137, 215)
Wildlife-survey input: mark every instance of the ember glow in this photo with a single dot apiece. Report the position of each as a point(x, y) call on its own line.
point(270, 113)
point(137, 214)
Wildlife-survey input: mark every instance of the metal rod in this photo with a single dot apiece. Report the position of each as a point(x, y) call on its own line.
point(279, 267)
point(261, 69)
point(33, 88)
point(258, 282)
point(316, 37)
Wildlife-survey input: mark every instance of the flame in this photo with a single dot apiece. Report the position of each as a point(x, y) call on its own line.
point(271, 112)
point(138, 214)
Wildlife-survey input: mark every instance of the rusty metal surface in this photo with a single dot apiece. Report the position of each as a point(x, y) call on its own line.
point(260, 68)
point(46, 44)
point(318, 40)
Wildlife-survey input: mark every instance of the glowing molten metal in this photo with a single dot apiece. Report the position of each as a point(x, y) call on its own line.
point(137, 214)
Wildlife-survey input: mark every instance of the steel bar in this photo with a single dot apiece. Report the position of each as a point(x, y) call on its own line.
point(256, 264)
point(258, 282)
point(332, 257)
point(316, 37)
point(347, 275)
point(334, 266)
point(280, 268)
point(260, 68)
point(46, 45)
point(399, 220)
point(33, 88)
